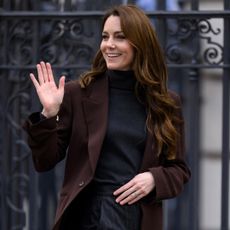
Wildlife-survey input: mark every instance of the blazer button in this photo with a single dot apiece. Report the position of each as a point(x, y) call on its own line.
point(81, 183)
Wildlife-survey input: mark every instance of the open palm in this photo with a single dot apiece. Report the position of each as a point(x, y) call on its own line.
point(49, 94)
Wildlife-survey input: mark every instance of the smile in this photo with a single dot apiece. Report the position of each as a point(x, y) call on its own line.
point(112, 55)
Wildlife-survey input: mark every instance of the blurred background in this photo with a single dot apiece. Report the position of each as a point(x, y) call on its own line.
point(195, 35)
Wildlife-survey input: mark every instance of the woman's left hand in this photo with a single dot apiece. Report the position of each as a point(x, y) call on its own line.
point(141, 185)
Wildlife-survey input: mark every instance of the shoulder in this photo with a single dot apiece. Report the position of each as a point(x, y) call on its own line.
point(72, 85)
point(73, 88)
point(72, 91)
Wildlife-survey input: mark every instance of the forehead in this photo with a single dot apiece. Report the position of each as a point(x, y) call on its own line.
point(112, 23)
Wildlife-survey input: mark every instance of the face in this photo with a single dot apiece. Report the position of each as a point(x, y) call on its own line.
point(116, 49)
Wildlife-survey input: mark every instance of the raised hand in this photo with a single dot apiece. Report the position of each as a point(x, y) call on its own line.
point(49, 94)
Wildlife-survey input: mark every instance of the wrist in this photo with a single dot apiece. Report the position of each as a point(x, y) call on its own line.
point(48, 114)
point(42, 116)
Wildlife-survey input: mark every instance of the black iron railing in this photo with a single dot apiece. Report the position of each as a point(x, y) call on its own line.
point(69, 41)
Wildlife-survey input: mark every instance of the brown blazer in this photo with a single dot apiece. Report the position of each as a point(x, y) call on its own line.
point(80, 128)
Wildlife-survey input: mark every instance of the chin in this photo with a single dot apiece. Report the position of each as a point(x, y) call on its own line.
point(113, 67)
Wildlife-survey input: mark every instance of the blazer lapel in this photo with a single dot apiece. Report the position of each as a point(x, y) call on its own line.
point(95, 106)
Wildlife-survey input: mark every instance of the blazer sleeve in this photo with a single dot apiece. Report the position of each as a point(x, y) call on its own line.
point(171, 175)
point(48, 138)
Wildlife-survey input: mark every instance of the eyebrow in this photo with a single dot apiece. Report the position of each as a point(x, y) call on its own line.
point(116, 32)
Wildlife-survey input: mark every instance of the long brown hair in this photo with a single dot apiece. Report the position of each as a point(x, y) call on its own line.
point(151, 73)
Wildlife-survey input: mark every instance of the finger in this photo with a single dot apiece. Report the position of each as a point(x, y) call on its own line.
point(124, 188)
point(44, 71)
point(50, 72)
point(125, 194)
point(61, 83)
point(130, 199)
point(138, 197)
point(40, 74)
point(34, 80)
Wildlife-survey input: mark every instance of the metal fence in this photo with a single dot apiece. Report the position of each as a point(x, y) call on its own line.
point(68, 39)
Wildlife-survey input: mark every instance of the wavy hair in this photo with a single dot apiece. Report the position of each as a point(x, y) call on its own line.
point(151, 73)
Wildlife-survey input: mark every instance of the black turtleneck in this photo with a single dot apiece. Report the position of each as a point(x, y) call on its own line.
point(124, 143)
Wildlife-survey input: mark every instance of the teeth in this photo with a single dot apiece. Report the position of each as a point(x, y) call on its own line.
point(112, 55)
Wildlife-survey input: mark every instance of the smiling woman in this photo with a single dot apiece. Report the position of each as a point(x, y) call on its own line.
point(116, 49)
point(120, 127)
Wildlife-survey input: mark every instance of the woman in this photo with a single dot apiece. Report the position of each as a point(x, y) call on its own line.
point(119, 127)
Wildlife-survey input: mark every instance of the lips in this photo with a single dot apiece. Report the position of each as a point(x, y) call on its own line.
point(113, 55)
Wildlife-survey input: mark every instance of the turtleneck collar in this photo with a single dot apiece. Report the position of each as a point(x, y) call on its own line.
point(121, 79)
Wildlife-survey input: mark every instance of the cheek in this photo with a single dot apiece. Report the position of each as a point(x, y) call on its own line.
point(102, 46)
point(131, 54)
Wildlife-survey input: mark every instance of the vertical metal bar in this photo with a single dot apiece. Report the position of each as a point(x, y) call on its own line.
point(33, 198)
point(225, 151)
point(36, 5)
point(4, 211)
point(124, 2)
point(33, 186)
point(6, 167)
point(225, 127)
point(4, 155)
point(161, 26)
point(67, 5)
point(195, 5)
point(6, 5)
point(161, 4)
point(193, 146)
point(5, 24)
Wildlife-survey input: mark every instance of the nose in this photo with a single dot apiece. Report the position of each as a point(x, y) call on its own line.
point(111, 43)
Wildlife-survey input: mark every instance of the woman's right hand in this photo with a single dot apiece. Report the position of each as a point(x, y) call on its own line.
point(49, 94)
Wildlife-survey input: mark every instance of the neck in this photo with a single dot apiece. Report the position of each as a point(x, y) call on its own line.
point(122, 79)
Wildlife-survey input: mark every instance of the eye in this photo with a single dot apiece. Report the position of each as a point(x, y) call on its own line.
point(120, 36)
point(104, 37)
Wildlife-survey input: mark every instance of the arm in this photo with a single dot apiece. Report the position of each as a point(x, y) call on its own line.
point(163, 181)
point(171, 175)
point(48, 138)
